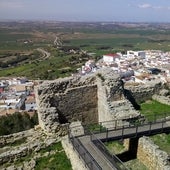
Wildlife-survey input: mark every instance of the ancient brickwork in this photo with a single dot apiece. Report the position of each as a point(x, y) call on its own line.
point(66, 100)
point(97, 97)
point(151, 155)
point(144, 92)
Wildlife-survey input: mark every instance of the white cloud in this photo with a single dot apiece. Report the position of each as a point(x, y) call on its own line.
point(144, 6)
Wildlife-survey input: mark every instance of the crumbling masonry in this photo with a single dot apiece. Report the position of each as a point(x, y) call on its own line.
point(97, 97)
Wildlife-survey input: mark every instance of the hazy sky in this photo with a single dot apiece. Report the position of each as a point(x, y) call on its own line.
point(87, 10)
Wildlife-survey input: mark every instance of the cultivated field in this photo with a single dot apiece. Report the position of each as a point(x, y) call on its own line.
point(19, 42)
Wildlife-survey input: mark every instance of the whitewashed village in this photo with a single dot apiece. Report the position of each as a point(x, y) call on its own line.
point(135, 66)
point(17, 95)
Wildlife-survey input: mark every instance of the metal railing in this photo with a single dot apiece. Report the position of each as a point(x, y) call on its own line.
point(123, 123)
point(113, 159)
point(87, 158)
point(133, 131)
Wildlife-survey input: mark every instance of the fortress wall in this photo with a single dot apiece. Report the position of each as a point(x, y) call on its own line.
point(151, 155)
point(145, 92)
point(103, 106)
point(78, 104)
point(92, 98)
point(89, 99)
point(66, 100)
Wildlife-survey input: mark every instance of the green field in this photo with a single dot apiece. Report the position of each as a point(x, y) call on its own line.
point(93, 38)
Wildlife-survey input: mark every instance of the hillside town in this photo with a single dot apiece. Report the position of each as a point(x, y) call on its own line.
point(135, 67)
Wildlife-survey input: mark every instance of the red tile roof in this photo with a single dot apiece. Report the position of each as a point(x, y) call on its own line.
point(112, 55)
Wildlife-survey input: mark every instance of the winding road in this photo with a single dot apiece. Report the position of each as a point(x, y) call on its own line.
point(45, 53)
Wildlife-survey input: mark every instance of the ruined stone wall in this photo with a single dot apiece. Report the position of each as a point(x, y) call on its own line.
point(66, 100)
point(97, 97)
point(91, 98)
point(103, 106)
point(145, 92)
point(162, 99)
point(151, 155)
point(77, 104)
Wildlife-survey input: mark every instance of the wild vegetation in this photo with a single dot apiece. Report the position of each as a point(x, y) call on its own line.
point(56, 161)
point(17, 122)
point(51, 157)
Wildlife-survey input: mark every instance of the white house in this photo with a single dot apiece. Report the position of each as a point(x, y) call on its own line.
point(110, 58)
point(141, 54)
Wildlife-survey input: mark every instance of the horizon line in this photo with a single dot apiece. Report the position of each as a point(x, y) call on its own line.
point(68, 21)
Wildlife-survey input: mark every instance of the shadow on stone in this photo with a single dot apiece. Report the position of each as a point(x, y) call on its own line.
point(132, 151)
point(61, 117)
point(129, 96)
point(126, 156)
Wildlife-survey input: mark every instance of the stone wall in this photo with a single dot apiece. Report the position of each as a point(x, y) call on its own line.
point(151, 155)
point(65, 100)
point(91, 98)
point(144, 92)
point(104, 98)
point(77, 104)
point(32, 142)
point(162, 99)
point(97, 97)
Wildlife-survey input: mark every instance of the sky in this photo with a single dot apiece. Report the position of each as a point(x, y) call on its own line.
point(86, 10)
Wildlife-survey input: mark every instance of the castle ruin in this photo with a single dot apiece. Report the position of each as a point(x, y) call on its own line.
point(98, 97)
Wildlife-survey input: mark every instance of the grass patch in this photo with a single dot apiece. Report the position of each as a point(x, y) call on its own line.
point(58, 161)
point(163, 141)
point(115, 147)
point(57, 146)
point(135, 164)
point(152, 108)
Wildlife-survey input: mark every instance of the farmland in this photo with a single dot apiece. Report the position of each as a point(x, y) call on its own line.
point(19, 42)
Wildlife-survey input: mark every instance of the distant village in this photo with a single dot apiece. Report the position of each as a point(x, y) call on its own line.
point(17, 95)
point(135, 67)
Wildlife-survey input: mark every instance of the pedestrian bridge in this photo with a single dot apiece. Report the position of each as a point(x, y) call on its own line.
point(93, 152)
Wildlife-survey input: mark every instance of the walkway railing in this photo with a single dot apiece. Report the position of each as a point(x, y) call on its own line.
point(87, 158)
point(133, 131)
point(114, 160)
point(124, 124)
